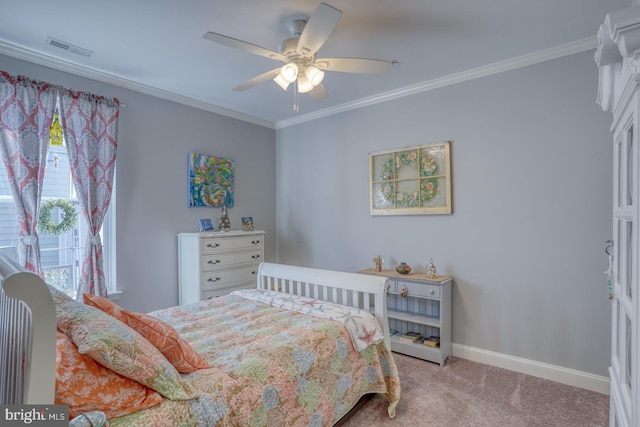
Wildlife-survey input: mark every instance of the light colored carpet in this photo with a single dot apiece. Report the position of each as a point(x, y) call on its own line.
point(470, 394)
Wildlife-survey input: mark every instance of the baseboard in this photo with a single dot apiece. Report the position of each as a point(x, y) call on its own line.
point(559, 374)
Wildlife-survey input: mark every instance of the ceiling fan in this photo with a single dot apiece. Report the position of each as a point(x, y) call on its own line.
point(302, 67)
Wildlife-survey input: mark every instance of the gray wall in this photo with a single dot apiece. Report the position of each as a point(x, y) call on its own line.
point(532, 179)
point(154, 139)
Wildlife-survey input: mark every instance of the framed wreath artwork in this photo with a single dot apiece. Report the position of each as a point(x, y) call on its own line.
point(210, 181)
point(411, 180)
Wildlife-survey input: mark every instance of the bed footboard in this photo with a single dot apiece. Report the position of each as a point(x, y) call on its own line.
point(366, 292)
point(27, 337)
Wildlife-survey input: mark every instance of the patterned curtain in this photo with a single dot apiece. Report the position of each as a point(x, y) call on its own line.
point(26, 112)
point(90, 124)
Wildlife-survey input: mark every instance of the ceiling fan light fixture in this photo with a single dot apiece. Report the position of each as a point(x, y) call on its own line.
point(289, 72)
point(281, 82)
point(314, 75)
point(304, 85)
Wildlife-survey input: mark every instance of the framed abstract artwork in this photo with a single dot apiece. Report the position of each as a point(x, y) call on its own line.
point(411, 180)
point(210, 181)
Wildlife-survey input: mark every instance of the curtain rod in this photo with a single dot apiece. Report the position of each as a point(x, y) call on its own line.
point(39, 82)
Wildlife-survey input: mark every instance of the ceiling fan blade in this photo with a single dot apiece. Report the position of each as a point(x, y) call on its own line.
point(354, 65)
point(264, 77)
point(247, 47)
point(319, 92)
point(318, 29)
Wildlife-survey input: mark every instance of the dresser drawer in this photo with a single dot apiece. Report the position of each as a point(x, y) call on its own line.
point(215, 279)
point(225, 290)
point(419, 289)
point(222, 260)
point(216, 245)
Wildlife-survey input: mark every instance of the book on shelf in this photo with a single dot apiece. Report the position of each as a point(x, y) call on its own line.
point(410, 336)
point(393, 331)
point(431, 341)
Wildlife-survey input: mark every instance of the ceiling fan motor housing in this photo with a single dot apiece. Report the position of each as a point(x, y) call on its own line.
point(288, 47)
point(297, 26)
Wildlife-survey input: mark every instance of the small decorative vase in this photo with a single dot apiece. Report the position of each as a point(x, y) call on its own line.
point(224, 224)
point(403, 268)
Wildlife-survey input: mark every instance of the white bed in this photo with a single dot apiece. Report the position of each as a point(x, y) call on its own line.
point(27, 337)
point(28, 320)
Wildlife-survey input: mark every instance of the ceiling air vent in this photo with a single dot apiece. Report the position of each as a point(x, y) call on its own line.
point(68, 47)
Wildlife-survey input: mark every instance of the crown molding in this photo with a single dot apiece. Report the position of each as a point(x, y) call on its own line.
point(39, 58)
point(474, 73)
point(29, 55)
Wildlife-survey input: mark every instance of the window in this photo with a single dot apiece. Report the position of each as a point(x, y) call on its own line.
point(61, 254)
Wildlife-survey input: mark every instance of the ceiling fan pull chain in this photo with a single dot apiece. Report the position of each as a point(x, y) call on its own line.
point(296, 107)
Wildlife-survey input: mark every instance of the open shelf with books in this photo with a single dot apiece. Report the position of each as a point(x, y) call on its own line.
point(422, 306)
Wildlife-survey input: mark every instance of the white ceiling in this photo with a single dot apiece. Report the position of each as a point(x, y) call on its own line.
point(157, 46)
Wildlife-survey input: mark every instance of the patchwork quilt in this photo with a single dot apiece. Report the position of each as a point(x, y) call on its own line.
point(274, 362)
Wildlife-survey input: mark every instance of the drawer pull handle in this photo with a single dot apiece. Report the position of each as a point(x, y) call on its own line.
point(255, 242)
point(405, 292)
point(255, 256)
point(211, 279)
point(212, 245)
point(432, 292)
point(213, 261)
point(254, 272)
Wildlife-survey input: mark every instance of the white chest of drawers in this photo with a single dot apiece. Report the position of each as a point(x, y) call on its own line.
point(217, 263)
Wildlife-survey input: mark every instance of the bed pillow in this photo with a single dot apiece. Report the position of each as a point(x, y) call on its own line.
point(58, 295)
point(159, 333)
point(121, 349)
point(85, 385)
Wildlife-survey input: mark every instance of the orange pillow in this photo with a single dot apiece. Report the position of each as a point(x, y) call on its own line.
point(159, 333)
point(85, 385)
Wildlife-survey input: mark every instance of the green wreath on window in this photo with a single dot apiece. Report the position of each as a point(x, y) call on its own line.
point(46, 225)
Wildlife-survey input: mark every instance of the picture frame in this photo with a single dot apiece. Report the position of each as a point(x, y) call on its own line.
point(247, 223)
point(206, 224)
point(211, 181)
point(412, 180)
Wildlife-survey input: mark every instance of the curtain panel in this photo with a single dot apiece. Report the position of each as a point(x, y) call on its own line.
point(26, 112)
point(90, 126)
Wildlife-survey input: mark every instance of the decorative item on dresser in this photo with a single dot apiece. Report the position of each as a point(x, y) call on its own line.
point(403, 268)
point(214, 264)
point(247, 223)
point(206, 224)
point(224, 224)
point(431, 270)
point(378, 261)
point(419, 304)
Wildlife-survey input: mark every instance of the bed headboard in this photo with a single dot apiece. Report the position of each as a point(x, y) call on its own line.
point(27, 337)
point(363, 291)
